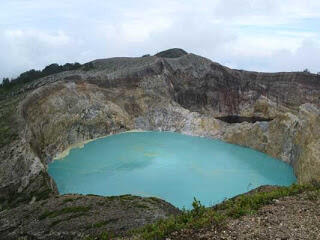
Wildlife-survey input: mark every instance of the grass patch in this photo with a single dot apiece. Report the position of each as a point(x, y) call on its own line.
point(141, 205)
point(53, 214)
point(112, 198)
point(127, 197)
point(13, 199)
point(68, 200)
point(66, 219)
point(8, 124)
point(103, 236)
point(198, 217)
point(248, 204)
point(313, 195)
point(103, 223)
point(43, 195)
point(154, 199)
point(93, 195)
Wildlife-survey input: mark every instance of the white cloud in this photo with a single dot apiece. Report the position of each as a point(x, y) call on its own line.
point(307, 55)
point(266, 12)
point(26, 49)
point(19, 37)
point(250, 34)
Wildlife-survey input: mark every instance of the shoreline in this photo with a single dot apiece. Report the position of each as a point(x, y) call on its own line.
point(66, 152)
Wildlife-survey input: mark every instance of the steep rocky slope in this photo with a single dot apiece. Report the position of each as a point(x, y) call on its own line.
point(172, 91)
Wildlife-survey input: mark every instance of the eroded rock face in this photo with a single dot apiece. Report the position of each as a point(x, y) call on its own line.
point(293, 138)
point(182, 94)
point(308, 140)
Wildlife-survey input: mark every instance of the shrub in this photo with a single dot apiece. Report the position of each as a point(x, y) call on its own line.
point(53, 214)
point(33, 74)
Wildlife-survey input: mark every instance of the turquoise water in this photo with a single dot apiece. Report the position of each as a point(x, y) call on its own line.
point(167, 165)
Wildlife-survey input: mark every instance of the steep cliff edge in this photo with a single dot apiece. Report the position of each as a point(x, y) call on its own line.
point(184, 94)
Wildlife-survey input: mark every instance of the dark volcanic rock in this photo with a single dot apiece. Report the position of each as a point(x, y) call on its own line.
point(239, 119)
point(202, 85)
point(76, 216)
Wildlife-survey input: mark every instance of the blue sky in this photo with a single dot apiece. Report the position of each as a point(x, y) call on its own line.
point(262, 35)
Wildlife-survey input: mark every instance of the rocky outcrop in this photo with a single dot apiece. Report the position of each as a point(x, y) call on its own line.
point(183, 93)
point(78, 216)
point(292, 138)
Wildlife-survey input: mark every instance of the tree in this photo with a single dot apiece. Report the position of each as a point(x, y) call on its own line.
point(29, 76)
point(88, 66)
point(32, 74)
point(52, 69)
point(306, 70)
point(71, 66)
point(5, 82)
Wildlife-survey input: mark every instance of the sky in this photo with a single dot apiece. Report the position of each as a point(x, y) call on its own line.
point(260, 35)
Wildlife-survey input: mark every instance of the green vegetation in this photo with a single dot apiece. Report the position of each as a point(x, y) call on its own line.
point(8, 103)
point(103, 236)
point(42, 195)
point(313, 195)
point(127, 197)
point(198, 217)
point(135, 201)
point(88, 66)
point(68, 200)
point(248, 204)
point(66, 219)
point(12, 92)
point(201, 217)
point(8, 128)
point(93, 195)
point(53, 214)
point(13, 199)
point(32, 74)
point(141, 205)
point(154, 199)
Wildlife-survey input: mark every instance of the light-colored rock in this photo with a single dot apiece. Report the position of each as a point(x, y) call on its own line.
point(291, 138)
